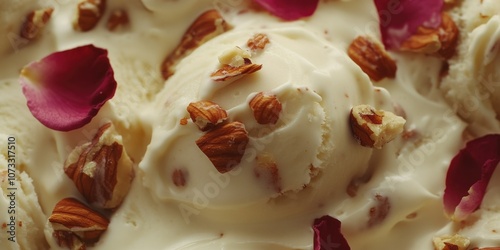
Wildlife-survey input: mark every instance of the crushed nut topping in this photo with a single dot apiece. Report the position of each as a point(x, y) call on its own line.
point(35, 22)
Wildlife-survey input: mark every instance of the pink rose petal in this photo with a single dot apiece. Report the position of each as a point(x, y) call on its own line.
point(327, 234)
point(290, 9)
point(66, 89)
point(469, 174)
point(400, 19)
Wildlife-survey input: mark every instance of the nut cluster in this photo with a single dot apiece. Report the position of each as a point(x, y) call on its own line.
point(375, 128)
point(102, 173)
point(235, 63)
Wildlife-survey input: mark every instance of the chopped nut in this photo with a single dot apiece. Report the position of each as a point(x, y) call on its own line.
point(258, 42)
point(375, 128)
point(100, 169)
point(88, 14)
point(372, 58)
point(35, 22)
point(179, 177)
point(266, 108)
point(116, 19)
point(441, 41)
point(207, 26)
point(235, 57)
point(455, 242)
point(183, 121)
point(380, 211)
point(228, 73)
point(224, 145)
point(206, 114)
point(267, 169)
point(75, 223)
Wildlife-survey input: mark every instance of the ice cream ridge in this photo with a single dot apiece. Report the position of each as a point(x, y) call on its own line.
point(249, 124)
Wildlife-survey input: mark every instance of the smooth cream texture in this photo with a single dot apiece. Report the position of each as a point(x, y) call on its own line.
point(306, 66)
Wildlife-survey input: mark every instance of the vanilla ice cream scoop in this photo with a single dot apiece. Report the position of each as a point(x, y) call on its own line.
point(294, 161)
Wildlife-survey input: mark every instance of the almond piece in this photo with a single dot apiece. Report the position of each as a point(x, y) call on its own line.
point(372, 58)
point(266, 108)
point(441, 41)
point(455, 242)
point(228, 73)
point(35, 22)
point(101, 169)
point(71, 218)
point(374, 128)
point(206, 114)
point(88, 14)
point(225, 145)
point(207, 26)
point(258, 42)
point(118, 18)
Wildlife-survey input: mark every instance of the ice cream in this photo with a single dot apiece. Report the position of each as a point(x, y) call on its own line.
point(295, 151)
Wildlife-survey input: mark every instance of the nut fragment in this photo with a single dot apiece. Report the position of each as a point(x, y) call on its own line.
point(116, 19)
point(74, 223)
point(206, 114)
point(88, 14)
point(380, 211)
point(258, 42)
point(228, 73)
point(267, 170)
point(207, 26)
point(34, 23)
point(266, 108)
point(375, 128)
point(234, 57)
point(179, 177)
point(372, 58)
point(225, 145)
point(100, 169)
point(441, 41)
point(455, 242)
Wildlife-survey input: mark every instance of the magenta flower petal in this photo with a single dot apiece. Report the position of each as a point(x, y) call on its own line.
point(66, 89)
point(400, 19)
point(327, 234)
point(469, 174)
point(289, 9)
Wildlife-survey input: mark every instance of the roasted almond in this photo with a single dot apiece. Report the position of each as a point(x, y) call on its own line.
point(225, 145)
point(372, 58)
point(35, 22)
point(88, 14)
point(101, 169)
point(207, 26)
point(266, 108)
point(74, 223)
point(374, 128)
point(206, 114)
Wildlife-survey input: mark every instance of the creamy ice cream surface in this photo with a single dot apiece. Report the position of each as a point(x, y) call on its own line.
point(262, 126)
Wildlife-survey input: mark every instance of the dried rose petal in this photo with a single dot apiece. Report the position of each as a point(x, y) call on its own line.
point(400, 19)
point(289, 9)
point(66, 89)
point(469, 174)
point(327, 235)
